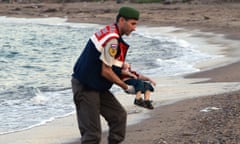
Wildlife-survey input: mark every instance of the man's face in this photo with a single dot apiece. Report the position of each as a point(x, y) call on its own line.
point(127, 26)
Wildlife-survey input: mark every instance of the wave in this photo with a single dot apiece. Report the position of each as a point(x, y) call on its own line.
point(38, 90)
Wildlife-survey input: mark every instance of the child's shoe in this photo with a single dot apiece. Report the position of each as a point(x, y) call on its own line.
point(139, 102)
point(148, 104)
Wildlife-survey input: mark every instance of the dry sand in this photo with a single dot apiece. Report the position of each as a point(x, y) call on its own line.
point(181, 122)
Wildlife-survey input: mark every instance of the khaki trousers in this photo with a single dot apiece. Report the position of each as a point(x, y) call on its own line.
point(90, 104)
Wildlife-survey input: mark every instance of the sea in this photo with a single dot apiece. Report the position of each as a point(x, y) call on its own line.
point(37, 57)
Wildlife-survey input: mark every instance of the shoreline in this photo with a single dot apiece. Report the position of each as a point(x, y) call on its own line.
point(166, 122)
point(70, 121)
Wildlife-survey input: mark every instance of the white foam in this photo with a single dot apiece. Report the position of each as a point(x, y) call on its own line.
point(53, 21)
point(208, 44)
point(39, 97)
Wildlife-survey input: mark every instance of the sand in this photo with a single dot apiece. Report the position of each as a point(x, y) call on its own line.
point(216, 87)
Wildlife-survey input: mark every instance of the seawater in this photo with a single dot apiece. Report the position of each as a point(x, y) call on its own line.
point(37, 56)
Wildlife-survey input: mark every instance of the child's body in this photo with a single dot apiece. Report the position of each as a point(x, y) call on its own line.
point(141, 83)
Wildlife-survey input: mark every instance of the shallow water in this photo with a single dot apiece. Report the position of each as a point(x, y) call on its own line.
point(37, 56)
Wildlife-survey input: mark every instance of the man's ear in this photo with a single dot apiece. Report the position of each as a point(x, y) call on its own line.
point(122, 19)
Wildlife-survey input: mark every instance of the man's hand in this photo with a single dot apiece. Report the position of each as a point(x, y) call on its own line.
point(130, 90)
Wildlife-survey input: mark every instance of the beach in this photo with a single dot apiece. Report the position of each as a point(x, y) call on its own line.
point(210, 111)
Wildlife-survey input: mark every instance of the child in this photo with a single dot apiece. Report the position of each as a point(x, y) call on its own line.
point(141, 83)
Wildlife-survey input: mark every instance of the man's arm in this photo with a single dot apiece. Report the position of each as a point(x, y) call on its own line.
point(108, 56)
point(108, 73)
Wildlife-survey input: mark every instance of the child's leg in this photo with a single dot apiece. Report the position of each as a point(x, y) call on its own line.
point(138, 86)
point(138, 95)
point(147, 102)
point(147, 95)
point(138, 99)
point(147, 90)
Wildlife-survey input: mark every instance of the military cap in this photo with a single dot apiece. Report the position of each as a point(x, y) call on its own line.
point(128, 12)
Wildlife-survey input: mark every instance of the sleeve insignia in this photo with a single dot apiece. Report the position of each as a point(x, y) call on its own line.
point(113, 50)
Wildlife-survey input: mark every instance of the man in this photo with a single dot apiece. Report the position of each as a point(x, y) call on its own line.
point(95, 71)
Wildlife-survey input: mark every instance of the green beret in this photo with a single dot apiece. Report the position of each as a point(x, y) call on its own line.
point(128, 12)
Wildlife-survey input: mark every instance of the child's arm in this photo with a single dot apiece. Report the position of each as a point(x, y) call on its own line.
point(145, 78)
point(129, 74)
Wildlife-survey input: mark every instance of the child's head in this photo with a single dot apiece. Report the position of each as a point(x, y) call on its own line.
point(126, 65)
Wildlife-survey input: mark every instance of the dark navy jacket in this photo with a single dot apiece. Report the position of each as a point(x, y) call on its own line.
point(88, 66)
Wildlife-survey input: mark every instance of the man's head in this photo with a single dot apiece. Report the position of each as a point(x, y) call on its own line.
point(127, 20)
point(128, 13)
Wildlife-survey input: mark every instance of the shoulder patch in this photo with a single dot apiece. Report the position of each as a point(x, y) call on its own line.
point(113, 50)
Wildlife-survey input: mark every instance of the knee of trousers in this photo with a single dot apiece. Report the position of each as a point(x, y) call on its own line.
point(122, 117)
point(119, 117)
